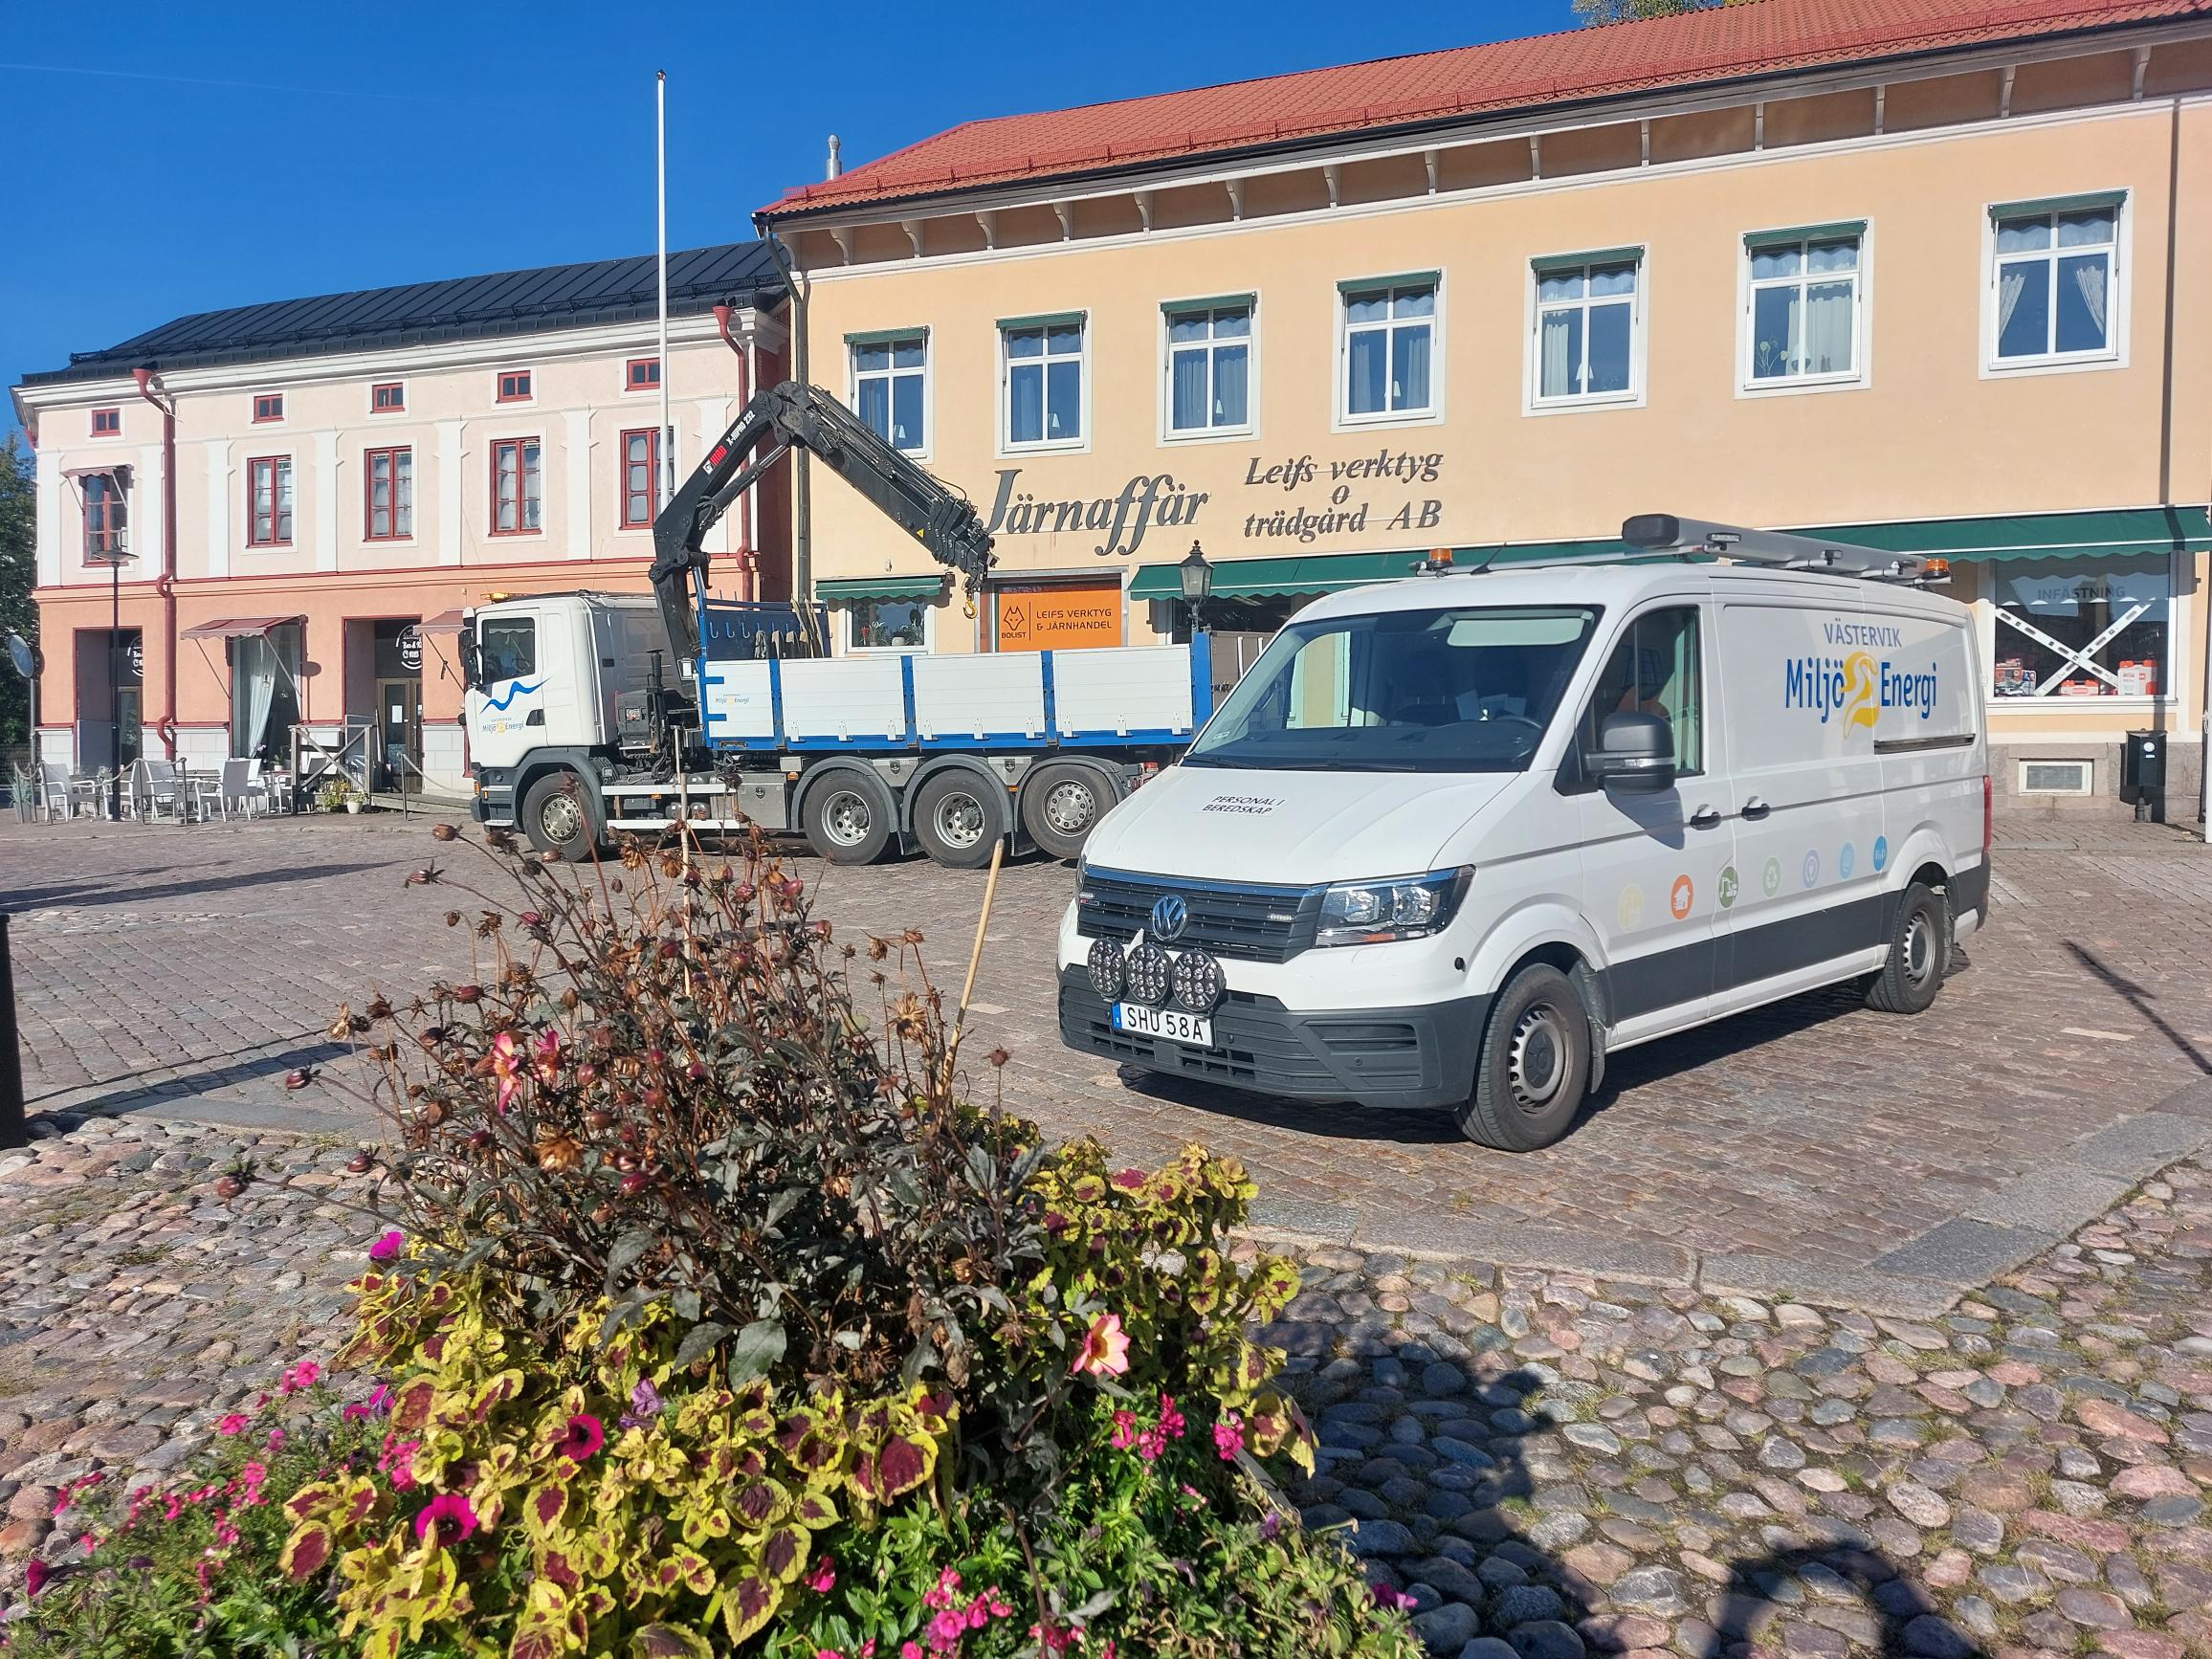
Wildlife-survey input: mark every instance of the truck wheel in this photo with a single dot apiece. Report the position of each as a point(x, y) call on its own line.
point(1534, 1065)
point(1919, 954)
point(1061, 804)
point(556, 819)
point(958, 818)
point(849, 819)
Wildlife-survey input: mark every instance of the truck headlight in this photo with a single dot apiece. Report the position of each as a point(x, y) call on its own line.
point(1400, 907)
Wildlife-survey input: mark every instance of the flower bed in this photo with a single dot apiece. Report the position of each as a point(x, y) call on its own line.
point(716, 1322)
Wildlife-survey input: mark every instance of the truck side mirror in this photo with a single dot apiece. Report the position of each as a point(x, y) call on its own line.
point(472, 666)
point(1634, 756)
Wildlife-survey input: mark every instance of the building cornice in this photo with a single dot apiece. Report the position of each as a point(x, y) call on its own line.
point(1276, 158)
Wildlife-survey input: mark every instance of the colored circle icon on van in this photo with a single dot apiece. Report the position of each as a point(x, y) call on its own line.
point(1844, 862)
point(1728, 886)
point(1678, 900)
point(1631, 911)
point(1812, 871)
point(1771, 879)
point(1881, 853)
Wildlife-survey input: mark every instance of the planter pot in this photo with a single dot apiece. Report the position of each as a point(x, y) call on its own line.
point(353, 805)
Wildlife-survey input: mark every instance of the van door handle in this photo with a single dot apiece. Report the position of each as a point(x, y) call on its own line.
point(1755, 808)
point(1704, 818)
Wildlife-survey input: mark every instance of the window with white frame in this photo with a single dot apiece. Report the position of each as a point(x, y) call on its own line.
point(2055, 286)
point(2096, 627)
point(1588, 311)
point(888, 624)
point(1389, 347)
point(1045, 361)
point(890, 383)
point(1209, 359)
point(1805, 305)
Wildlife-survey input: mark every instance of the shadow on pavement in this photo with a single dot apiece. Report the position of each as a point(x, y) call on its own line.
point(85, 894)
point(168, 1086)
point(2139, 999)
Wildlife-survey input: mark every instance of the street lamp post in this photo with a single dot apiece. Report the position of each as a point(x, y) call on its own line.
point(115, 688)
point(1197, 576)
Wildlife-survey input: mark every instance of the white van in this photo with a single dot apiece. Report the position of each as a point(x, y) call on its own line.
point(1452, 840)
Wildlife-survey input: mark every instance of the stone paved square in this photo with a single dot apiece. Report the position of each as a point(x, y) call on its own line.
point(179, 973)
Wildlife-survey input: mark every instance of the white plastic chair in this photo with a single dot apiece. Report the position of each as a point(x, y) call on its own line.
point(52, 790)
point(234, 784)
point(154, 791)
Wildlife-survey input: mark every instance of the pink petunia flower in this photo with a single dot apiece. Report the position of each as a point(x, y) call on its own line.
point(823, 1578)
point(234, 1424)
point(276, 1440)
point(1124, 1430)
point(302, 1375)
point(1105, 1348)
point(387, 1246)
point(450, 1516)
point(586, 1435)
point(34, 1577)
point(1228, 1437)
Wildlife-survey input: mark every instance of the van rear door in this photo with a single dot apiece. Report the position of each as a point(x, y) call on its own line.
point(1800, 679)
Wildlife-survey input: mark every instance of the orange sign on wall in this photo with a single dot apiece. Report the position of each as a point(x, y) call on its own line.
point(1059, 618)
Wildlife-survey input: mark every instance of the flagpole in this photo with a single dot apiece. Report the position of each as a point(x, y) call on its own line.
point(665, 483)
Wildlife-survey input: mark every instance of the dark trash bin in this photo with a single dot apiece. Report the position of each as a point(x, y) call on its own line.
point(2143, 775)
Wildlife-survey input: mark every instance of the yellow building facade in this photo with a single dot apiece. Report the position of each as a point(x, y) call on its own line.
point(1945, 296)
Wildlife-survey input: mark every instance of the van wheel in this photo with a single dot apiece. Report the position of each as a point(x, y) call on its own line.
point(1060, 805)
point(556, 819)
point(1919, 954)
point(847, 820)
point(1534, 1065)
point(959, 818)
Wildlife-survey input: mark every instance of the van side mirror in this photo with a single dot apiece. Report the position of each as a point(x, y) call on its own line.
point(1634, 756)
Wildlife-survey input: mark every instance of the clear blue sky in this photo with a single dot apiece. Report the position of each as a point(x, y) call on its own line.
point(173, 157)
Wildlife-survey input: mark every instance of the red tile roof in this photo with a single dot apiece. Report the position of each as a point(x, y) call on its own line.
point(1763, 37)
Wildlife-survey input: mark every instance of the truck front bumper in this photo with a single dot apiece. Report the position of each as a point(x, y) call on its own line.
point(494, 801)
point(1399, 1056)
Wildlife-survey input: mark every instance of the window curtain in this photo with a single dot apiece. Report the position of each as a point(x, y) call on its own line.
point(1826, 346)
point(257, 692)
point(1189, 407)
point(2089, 276)
point(1558, 348)
point(1410, 372)
point(2011, 284)
point(1026, 418)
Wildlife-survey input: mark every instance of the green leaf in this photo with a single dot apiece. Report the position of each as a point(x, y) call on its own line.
point(669, 1642)
point(686, 1303)
point(699, 1341)
point(758, 1347)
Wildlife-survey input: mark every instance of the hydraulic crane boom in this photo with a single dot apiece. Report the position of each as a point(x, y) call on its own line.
point(795, 415)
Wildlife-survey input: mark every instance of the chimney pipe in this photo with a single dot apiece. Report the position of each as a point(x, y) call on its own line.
point(836, 164)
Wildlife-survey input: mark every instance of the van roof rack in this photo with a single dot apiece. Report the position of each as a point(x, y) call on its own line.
point(1665, 536)
point(1665, 533)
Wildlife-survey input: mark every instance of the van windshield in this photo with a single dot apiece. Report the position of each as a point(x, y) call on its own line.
point(1463, 689)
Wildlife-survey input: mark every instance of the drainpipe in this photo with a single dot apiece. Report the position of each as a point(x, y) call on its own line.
point(165, 584)
point(747, 559)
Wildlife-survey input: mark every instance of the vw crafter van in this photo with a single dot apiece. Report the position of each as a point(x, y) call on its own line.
point(1454, 840)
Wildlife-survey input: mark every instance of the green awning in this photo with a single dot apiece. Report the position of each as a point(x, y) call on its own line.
point(880, 587)
point(2113, 533)
point(1376, 284)
point(1789, 238)
point(2116, 533)
point(1549, 262)
point(2085, 201)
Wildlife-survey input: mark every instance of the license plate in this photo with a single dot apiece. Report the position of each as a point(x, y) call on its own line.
point(1173, 1024)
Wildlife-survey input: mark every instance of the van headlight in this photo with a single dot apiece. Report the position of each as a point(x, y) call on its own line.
point(1401, 907)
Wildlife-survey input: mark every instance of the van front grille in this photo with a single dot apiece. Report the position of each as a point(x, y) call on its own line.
point(1238, 920)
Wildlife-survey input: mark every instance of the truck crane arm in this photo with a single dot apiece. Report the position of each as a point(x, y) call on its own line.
point(796, 415)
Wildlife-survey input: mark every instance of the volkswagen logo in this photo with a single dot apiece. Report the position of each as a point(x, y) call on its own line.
point(1169, 918)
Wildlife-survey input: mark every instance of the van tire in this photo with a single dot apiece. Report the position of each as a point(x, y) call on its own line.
point(848, 818)
point(1534, 1068)
point(558, 819)
point(1061, 804)
point(1919, 954)
point(959, 816)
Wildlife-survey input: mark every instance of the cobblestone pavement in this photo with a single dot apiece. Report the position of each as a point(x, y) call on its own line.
point(1549, 1464)
point(1812, 1148)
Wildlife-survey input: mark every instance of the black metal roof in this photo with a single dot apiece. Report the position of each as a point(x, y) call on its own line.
point(461, 308)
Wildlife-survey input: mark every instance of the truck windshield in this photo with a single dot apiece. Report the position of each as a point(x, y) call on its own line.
point(1462, 690)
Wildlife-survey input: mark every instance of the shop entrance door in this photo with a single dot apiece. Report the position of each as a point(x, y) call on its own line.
point(399, 729)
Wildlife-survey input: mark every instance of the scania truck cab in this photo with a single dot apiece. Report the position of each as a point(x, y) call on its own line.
point(1455, 839)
